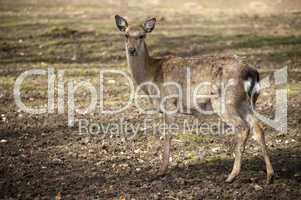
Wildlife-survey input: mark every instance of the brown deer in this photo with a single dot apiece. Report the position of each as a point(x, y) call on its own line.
point(239, 97)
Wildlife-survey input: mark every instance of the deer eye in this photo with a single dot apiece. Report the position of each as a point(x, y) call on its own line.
point(126, 36)
point(141, 36)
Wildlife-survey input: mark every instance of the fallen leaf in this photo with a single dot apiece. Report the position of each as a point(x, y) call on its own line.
point(58, 196)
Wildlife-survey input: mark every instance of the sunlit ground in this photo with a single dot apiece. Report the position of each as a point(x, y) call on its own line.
point(42, 158)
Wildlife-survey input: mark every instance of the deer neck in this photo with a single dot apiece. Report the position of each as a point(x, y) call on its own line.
point(139, 64)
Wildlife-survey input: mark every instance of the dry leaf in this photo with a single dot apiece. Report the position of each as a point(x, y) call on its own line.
point(58, 196)
point(122, 197)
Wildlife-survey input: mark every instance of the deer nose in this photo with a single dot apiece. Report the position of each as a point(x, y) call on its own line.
point(132, 51)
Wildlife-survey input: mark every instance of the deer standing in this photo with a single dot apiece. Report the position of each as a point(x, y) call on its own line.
point(239, 97)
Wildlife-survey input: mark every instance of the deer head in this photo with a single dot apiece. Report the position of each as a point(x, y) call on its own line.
point(135, 35)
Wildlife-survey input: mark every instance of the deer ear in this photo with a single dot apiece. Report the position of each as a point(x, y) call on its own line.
point(121, 23)
point(149, 25)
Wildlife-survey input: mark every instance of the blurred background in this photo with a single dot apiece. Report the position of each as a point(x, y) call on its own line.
point(84, 31)
point(41, 158)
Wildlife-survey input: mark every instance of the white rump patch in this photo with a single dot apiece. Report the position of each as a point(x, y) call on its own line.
point(248, 84)
point(256, 87)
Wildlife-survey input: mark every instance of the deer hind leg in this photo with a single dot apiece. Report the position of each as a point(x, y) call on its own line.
point(259, 137)
point(242, 129)
point(242, 134)
point(242, 138)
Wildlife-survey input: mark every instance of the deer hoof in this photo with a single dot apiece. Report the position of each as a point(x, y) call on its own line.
point(230, 178)
point(162, 171)
point(270, 179)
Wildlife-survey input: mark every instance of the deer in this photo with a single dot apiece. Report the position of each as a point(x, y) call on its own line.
point(239, 101)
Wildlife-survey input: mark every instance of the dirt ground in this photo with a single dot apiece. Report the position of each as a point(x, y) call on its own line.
point(42, 158)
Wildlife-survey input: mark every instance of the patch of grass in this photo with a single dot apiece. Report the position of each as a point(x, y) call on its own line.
point(294, 89)
point(217, 157)
point(11, 20)
point(60, 32)
point(257, 42)
point(7, 82)
point(192, 156)
point(280, 56)
point(189, 137)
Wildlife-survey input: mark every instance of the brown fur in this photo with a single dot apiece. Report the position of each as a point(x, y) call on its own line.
point(212, 69)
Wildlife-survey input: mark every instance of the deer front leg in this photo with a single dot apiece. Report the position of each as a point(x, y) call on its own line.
point(166, 144)
point(242, 130)
point(165, 154)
